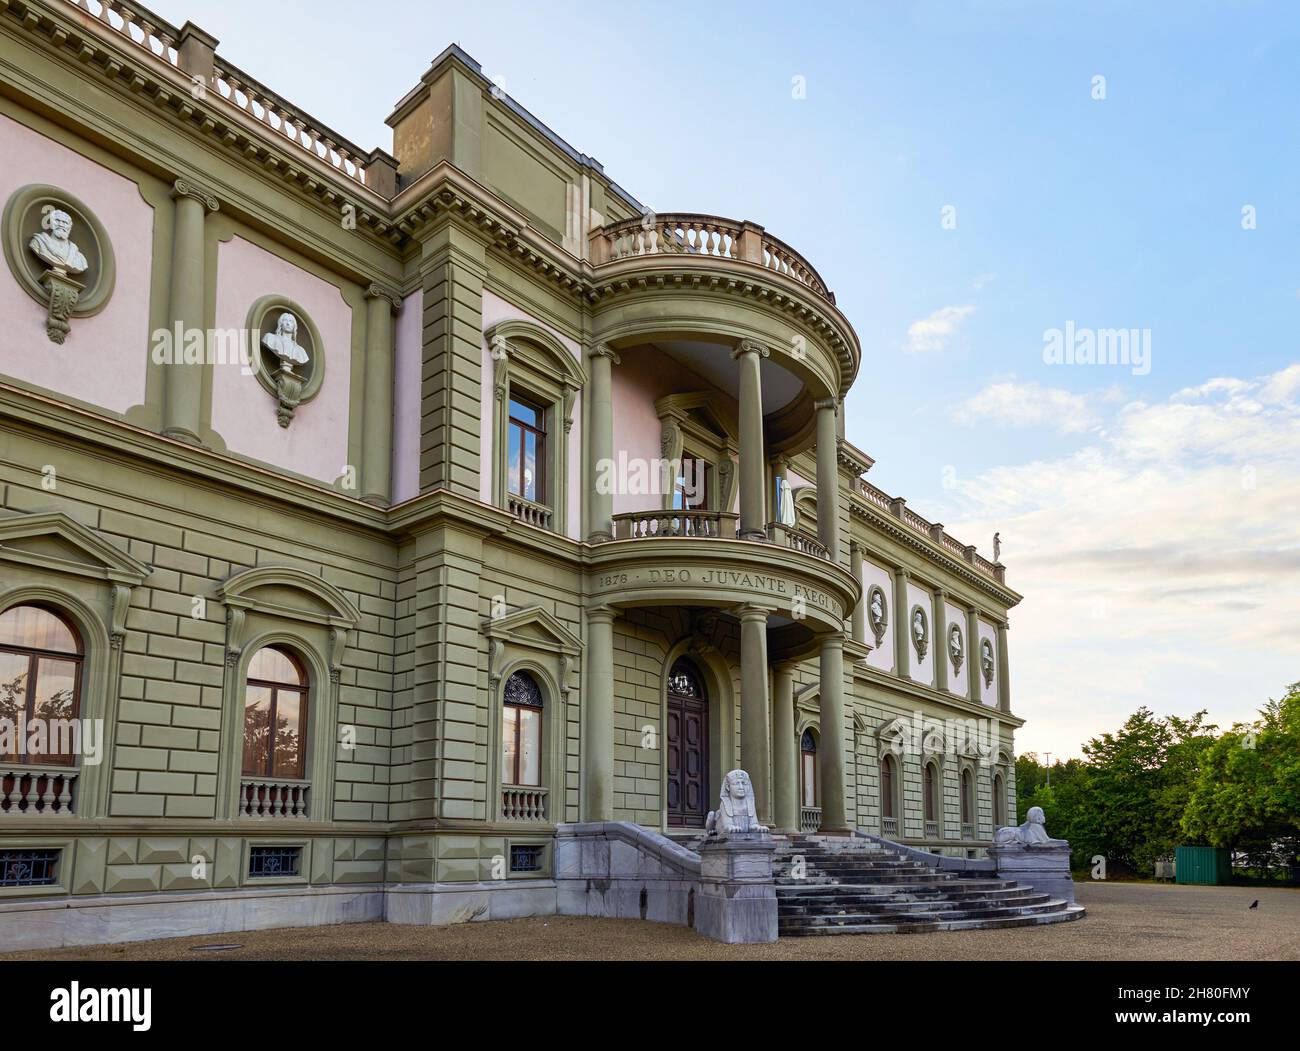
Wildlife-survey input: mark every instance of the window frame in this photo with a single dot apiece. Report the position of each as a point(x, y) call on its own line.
point(34, 656)
point(541, 433)
point(808, 735)
point(304, 692)
point(516, 727)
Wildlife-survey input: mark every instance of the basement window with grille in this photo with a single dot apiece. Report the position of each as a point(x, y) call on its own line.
point(29, 868)
point(273, 861)
point(526, 858)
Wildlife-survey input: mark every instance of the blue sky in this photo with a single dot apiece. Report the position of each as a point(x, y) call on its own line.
point(1150, 520)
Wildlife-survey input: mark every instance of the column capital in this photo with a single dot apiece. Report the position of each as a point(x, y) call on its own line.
point(604, 350)
point(377, 291)
point(939, 591)
point(832, 640)
point(901, 573)
point(750, 612)
point(602, 614)
point(750, 346)
point(186, 188)
point(827, 403)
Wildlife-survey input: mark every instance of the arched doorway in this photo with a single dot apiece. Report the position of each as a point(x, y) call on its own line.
point(687, 746)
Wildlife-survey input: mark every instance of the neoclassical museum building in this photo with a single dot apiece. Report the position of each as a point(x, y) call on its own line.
point(365, 516)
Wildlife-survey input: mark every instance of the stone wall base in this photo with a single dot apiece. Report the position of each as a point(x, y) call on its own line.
point(58, 923)
point(444, 903)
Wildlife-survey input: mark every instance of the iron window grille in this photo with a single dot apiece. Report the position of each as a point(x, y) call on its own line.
point(526, 858)
point(273, 861)
point(29, 868)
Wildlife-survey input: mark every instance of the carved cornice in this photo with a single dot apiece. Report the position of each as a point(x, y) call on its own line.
point(896, 531)
point(185, 188)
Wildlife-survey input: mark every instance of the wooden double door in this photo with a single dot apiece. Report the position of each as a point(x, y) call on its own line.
point(687, 725)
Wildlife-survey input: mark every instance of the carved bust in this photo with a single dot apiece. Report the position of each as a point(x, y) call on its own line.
point(53, 245)
point(876, 613)
point(735, 813)
point(1032, 833)
point(920, 632)
point(956, 648)
point(986, 661)
point(283, 343)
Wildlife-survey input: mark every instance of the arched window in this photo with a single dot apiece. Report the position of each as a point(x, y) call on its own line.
point(40, 682)
point(931, 799)
point(967, 804)
point(275, 716)
point(808, 767)
point(999, 800)
point(521, 738)
point(888, 805)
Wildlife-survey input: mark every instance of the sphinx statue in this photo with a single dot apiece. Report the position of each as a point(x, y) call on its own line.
point(1031, 834)
point(735, 811)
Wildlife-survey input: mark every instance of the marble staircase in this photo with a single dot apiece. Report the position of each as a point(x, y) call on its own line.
point(835, 885)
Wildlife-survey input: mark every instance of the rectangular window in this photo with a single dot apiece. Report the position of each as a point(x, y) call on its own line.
point(691, 490)
point(273, 861)
point(526, 858)
point(809, 779)
point(526, 450)
point(29, 868)
point(521, 755)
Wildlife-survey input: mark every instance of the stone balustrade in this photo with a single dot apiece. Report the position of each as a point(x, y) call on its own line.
point(889, 827)
point(27, 791)
point(798, 539)
point(686, 233)
point(140, 27)
point(259, 797)
point(637, 525)
point(529, 512)
point(523, 803)
point(810, 818)
point(933, 531)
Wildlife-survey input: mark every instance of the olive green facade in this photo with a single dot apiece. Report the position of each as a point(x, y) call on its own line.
point(412, 584)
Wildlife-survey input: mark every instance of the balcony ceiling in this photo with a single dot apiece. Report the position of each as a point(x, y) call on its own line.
point(712, 362)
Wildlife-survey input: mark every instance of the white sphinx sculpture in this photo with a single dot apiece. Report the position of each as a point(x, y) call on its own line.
point(735, 811)
point(53, 245)
point(1032, 833)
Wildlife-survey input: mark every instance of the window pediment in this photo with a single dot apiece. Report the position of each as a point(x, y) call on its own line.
point(284, 591)
point(533, 628)
point(544, 352)
point(53, 542)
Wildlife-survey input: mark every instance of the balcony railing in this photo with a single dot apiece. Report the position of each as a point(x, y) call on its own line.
point(967, 830)
point(810, 818)
point(638, 525)
point(889, 827)
point(35, 792)
point(260, 797)
point(685, 233)
point(932, 830)
point(789, 536)
point(523, 803)
point(934, 531)
point(135, 24)
point(529, 511)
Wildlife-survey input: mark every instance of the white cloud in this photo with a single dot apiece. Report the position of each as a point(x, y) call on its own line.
point(934, 332)
point(1012, 404)
point(1160, 562)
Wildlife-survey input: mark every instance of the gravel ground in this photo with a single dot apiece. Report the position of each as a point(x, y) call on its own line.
point(1125, 921)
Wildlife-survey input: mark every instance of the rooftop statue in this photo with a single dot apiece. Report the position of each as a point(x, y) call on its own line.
point(735, 811)
point(53, 245)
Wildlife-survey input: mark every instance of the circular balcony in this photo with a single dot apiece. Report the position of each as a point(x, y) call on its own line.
point(694, 558)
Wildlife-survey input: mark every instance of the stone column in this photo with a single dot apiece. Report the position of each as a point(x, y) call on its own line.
point(975, 668)
point(830, 749)
point(755, 717)
point(598, 718)
point(939, 643)
point(859, 610)
point(1004, 680)
point(183, 386)
point(600, 442)
point(828, 478)
point(377, 433)
point(902, 630)
point(752, 501)
point(785, 751)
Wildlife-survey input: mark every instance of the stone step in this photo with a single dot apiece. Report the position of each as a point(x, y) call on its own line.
point(1060, 913)
point(835, 912)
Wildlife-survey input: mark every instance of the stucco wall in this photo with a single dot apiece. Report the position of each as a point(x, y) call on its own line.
point(106, 356)
point(315, 444)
